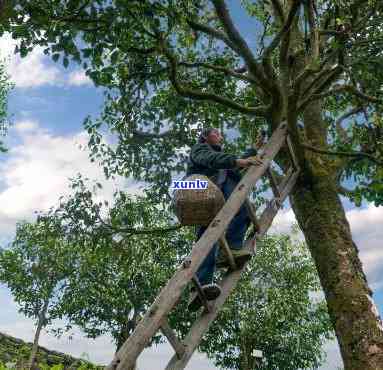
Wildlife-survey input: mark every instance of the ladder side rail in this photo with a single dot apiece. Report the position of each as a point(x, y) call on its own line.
point(293, 157)
point(127, 355)
point(273, 183)
point(252, 214)
point(172, 338)
point(201, 293)
point(227, 284)
point(225, 247)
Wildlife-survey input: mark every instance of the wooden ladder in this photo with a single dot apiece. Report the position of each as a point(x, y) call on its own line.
point(155, 318)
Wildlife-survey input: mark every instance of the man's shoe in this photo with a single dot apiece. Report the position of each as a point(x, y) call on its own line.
point(212, 292)
point(241, 256)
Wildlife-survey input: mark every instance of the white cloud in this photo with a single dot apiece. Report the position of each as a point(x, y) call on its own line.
point(30, 71)
point(283, 221)
point(36, 173)
point(25, 126)
point(366, 221)
point(366, 230)
point(333, 359)
point(78, 78)
point(37, 69)
point(366, 225)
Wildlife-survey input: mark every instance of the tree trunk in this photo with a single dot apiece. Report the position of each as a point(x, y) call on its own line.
point(40, 325)
point(355, 318)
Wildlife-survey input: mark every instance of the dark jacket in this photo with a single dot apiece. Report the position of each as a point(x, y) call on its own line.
point(208, 160)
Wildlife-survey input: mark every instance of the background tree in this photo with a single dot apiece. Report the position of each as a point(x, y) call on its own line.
point(5, 87)
point(171, 65)
point(273, 310)
point(35, 269)
point(125, 253)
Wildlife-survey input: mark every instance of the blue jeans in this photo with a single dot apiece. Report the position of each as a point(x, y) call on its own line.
point(235, 235)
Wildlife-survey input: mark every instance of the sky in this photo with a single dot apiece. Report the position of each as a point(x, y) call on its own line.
point(47, 108)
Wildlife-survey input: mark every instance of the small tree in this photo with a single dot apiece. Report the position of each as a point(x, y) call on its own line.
point(125, 254)
point(272, 310)
point(35, 268)
point(5, 87)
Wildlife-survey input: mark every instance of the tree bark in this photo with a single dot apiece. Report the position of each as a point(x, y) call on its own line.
point(40, 325)
point(355, 318)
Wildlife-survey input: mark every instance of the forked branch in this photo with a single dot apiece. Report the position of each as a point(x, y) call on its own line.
point(340, 90)
point(283, 32)
point(208, 96)
point(354, 154)
point(212, 32)
point(242, 48)
point(226, 71)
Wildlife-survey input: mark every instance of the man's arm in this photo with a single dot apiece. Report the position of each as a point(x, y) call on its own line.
point(249, 153)
point(203, 155)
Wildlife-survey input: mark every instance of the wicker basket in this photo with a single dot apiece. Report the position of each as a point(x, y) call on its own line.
point(198, 207)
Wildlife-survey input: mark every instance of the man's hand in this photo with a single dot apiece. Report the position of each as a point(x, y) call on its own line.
point(245, 163)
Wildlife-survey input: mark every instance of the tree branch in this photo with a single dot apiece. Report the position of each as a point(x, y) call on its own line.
point(149, 135)
point(284, 33)
point(338, 123)
point(212, 32)
point(360, 155)
point(142, 51)
point(199, 95)
point(310, 70)
point(342, 89)
point(278, 8)
point(345, 192)
point(134, 231)
point(241, 46)
point(285, 29)
point(226, 71)
point(332, 76)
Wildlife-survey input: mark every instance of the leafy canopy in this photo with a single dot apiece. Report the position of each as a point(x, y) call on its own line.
point(171, 66)
point(125, 252)
point(36, 266)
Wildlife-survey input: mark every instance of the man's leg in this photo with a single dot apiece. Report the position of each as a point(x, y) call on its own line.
point(206, 270)
point(205, 275)
point(236, 231)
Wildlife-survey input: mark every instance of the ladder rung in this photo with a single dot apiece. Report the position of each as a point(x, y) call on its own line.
point(273, 183)
point(225, 246)
point(251, 211)
point(286, 179)
point(289, 172)
point(169, 333)
point(201, 294)
point(294, 159)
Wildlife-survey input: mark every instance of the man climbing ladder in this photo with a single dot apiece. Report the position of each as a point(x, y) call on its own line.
point(155, 318)
point(207, 158)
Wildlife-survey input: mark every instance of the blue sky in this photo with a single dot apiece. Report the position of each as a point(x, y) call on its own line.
point(47, 107)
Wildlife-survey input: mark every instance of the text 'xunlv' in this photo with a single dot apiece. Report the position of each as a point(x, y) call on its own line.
point(190, 184)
